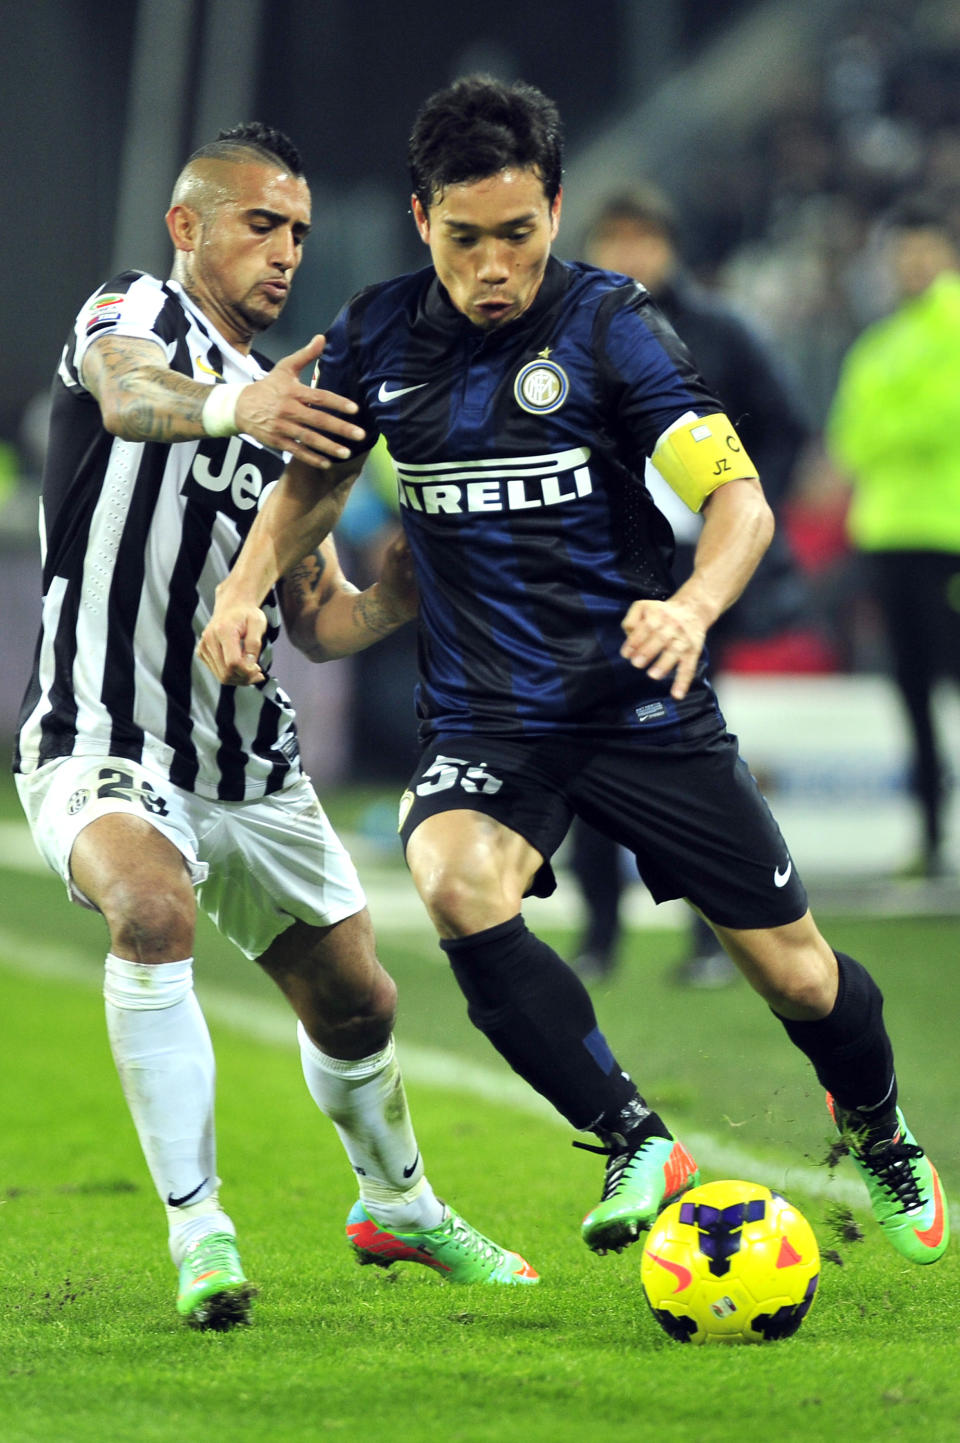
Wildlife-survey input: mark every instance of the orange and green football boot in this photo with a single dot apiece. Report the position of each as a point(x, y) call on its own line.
point(214, 1293)
point(638, 1185)
point(905, 1192)
point(453, 1249)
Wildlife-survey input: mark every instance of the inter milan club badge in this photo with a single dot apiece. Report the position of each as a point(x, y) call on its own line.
point(541, 386)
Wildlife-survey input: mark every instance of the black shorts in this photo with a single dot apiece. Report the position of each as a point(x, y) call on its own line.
point(687, 808)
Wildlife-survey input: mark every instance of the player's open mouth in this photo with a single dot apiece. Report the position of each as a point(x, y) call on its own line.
point(494, 310)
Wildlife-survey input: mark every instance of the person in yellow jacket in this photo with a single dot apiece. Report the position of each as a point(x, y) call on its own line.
point(894, 429)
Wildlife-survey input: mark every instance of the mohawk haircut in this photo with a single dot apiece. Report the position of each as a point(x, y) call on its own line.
point(253, 138)
point(480, 126)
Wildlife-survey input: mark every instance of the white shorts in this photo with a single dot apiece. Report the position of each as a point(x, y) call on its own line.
point(257, 866)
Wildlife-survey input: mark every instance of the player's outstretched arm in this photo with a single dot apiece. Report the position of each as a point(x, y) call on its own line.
point(668, 636)
point(326, 616)
point(296, 517)
point(142, 399)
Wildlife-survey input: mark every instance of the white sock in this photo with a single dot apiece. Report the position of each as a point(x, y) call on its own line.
point(164, 1056)
point(367, 1105)
point(194, 1221)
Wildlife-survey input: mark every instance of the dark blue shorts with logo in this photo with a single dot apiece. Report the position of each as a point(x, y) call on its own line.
point(686, 806)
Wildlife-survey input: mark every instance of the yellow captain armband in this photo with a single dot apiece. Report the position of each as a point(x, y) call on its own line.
point(700, 453)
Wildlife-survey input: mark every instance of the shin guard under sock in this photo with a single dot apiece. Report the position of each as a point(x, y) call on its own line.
point(163, 1055)
point(539, 1017)
point(366, 1102)
point(850, 1050)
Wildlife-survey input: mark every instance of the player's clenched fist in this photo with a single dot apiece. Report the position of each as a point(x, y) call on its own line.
point(230, 645)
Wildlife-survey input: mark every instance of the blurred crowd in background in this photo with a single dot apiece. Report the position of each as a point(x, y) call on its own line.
point(795, 239)
point(787, 224)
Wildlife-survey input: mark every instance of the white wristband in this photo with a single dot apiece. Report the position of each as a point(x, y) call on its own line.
point(219, 413)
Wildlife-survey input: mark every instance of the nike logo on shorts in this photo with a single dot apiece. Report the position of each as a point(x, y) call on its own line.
point(780, 879)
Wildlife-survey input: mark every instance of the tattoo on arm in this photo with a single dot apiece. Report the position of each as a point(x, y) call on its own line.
point(324, 631)
point(302, 582)
point(371, 614)
point(143, 397)
point(302, 594)
point(157, 410)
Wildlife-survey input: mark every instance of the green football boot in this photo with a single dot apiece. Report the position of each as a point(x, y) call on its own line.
point(905, 1192)
point(214, 1293)
point(639, 1184)
point(454, 1249)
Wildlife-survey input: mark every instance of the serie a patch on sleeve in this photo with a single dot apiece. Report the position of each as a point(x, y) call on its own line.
point(700, 454)
point(103, 312)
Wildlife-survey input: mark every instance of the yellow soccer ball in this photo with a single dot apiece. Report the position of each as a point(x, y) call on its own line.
point(730, 1262)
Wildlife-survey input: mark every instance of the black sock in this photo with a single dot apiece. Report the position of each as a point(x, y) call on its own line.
point(850, 1050)
point(629, 1125)
point(539, 1016)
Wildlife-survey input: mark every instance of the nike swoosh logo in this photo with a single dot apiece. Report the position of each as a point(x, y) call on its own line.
point(780, 879)
point(178, 1202)
point(409, 1171)
point(683, 1275)
point(385, 394)
point(932, 1236)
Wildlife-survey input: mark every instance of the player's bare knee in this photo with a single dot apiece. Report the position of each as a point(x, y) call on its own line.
point(378, 1011)
point(806, 990)
point(150, 924)
point(359, 1025)
point(453, 897)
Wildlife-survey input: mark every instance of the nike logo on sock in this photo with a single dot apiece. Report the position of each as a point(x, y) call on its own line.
point(178, 1202)
point(409, 1171)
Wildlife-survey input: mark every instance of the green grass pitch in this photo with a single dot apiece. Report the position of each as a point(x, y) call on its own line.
point(90, 1345)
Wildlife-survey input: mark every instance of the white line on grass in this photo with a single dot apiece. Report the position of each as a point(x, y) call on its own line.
point(271, 1023)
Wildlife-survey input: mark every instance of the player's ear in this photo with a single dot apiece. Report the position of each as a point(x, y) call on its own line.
point(421, 219)
point(183, 223)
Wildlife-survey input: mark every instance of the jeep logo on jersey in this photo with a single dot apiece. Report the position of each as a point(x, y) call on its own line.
point(505, 483)
point(541, 386)
point(234, 476)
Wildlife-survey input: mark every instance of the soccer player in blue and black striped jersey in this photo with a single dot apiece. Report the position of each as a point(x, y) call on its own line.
point(561, 672)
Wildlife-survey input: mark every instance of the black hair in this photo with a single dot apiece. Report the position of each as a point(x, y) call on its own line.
point(262, 140)
point(479, 126)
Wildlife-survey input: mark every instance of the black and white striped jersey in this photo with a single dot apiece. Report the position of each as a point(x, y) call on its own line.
point(135, 537)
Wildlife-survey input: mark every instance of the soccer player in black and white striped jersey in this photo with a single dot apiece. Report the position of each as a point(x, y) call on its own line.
point(149, 787)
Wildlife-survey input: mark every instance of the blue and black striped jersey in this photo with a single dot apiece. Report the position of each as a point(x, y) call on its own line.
point(520, 455)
